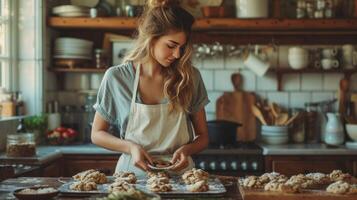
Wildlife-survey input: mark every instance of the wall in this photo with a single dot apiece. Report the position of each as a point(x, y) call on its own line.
point(296, 88)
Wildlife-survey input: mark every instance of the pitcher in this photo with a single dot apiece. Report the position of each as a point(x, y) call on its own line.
point(334, 130)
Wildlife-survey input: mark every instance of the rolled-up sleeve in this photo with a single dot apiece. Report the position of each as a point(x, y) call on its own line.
point(105, 104)
point(200, 97)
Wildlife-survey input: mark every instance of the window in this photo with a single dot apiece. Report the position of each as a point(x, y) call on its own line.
point(6, 55)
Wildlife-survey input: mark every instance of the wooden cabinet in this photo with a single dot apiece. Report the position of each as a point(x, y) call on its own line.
point(355, 167)
point(53, 169)
point(290, 165)
point(73, 164)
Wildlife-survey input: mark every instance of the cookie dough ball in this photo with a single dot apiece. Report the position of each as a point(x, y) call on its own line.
point(157, 186)
point(339, 187)
point(252, 182)
point(125, 176)
point(91, 175)
point(83, 186)
point(319, 178)
point(194, 175)
point(120, 186)
point(200, 186)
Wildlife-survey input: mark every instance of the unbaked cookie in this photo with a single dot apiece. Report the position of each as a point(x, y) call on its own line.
point(157, 186)
point(200, 186)
point(319, 178)
point(125, 176)
point(339, 187)
point(83, 186)
point(274, 186)
point(273, 176)
point(91, 175)
point(156, 178)
point(338, 175)
point(157, 174)
point(194, 175)
point(302, 180)
point(252, 182)
point(120, 186)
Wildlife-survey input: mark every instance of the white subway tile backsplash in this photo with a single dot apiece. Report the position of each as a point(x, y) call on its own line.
point(197, 63)
point(213, 63)
point(234, 63)
point(207, 76)
point(249, 80)
point(223, 80)
point(290, 82)
point(298, 99)
point(267, 82)
point(322, 96)
point(311, 82)
point(281, 98)
point(213, 96)
point(332, 81)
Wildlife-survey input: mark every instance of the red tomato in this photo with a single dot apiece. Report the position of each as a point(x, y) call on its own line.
point(60, 129)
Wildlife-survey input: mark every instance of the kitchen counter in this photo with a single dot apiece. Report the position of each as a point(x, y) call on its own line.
point(305, 149)
point(47, 154)
point(6, 188)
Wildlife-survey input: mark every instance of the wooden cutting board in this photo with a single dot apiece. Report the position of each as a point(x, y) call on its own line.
point(260, 194)
point(236, 106)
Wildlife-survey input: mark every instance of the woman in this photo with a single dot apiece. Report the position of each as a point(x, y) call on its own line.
point(155, 97)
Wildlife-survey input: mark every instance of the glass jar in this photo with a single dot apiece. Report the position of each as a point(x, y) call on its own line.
point(311, 124)
point(298, 127)
point(101, 58)
point(20, 145)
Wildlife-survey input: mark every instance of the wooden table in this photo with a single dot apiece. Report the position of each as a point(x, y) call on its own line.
point(7, 186)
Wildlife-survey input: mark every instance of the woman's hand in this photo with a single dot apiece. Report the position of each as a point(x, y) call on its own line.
point(140, 157)
point(180, 158)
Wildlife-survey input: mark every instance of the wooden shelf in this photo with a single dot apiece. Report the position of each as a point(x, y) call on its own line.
point(280, 72)
point(225, 24)
point(77, 70)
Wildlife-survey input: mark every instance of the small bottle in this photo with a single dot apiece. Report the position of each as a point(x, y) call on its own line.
point(21, 128)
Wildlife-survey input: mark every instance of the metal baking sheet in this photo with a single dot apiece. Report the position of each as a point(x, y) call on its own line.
point(216, 188)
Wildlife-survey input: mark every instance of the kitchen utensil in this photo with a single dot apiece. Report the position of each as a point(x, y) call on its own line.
point(236, 107)
point(258, 114)
point(222, 132)
point(256, 65)
point(343, 89)
point(291, 119)
point(351, 130)
point(281, 119)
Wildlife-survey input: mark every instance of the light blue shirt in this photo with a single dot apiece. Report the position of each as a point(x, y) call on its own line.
point(116, 90)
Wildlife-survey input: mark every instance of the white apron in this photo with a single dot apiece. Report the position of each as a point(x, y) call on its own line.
point(155, 129)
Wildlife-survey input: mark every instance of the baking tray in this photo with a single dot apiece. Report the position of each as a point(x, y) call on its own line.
point(216, 188)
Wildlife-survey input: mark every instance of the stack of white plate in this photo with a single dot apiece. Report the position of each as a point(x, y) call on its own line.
point(71, 11)
point(73, 48)
point(275, 134)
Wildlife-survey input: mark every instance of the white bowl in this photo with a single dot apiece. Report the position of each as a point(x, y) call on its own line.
point(275, 139)
point(274, 131)
point(298, 50)
point(351, 130)
point(298, 63)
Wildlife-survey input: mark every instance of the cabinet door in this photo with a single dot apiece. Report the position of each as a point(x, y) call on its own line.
point(52, 170)
point(75, 166)
point(354, 170)
point(291, 165)
point(295, 167)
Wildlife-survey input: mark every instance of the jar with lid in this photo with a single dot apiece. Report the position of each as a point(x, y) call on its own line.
point(21, 144)
point(312, 131)
point(298, 126)
point(101, 58)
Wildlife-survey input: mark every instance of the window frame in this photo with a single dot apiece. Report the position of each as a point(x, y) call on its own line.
point(8, 74)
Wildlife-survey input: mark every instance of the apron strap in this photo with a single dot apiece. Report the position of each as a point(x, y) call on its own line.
point(136, 83)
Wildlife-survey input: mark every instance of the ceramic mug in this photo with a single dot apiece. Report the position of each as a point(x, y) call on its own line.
point(252, 8)
point(329, 52)
point(327, 63)
point(255, 64)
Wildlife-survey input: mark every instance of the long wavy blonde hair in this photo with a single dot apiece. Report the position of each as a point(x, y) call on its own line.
point(159, 18)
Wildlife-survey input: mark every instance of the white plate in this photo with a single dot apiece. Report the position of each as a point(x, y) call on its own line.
point(72, 57)
point(69, 40)
point(69, 8)
point(74, 14)
point(351, 145)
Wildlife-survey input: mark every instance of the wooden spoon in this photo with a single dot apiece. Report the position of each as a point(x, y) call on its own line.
point(237, 81)
point(281, 119)
point(257, 113)
point(344, 86)
point(288, 122)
